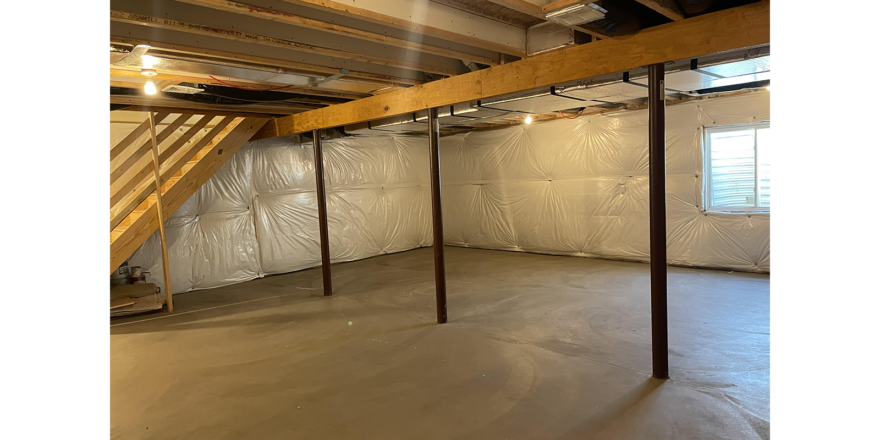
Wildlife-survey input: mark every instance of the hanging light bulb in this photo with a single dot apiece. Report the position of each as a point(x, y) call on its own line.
point(150, 88)
point(529, 119)
point(149, 61)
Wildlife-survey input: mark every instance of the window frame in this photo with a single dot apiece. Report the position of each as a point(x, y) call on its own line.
point(707, 167)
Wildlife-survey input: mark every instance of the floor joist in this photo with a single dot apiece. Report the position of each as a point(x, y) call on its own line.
point(258, 62)
point(730, 29)
point(351, 9)
point(309, 23)
point(668, 8)
point(229, 34)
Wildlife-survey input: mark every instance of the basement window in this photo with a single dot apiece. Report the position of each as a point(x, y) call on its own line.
point(737, 168)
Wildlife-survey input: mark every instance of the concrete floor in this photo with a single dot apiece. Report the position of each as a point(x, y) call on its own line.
point(537, 347)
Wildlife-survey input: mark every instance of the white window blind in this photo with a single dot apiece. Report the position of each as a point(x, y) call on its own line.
point(738, 167)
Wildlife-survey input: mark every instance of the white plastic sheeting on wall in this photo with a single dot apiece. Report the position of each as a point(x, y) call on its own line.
point(568, 187)
point(580, 187)
point(258, 214)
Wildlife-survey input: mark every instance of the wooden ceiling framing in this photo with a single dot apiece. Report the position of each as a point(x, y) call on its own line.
point(736, 28)
point(366, 47)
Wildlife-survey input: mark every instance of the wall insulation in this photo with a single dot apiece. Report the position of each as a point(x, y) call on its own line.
point(568, 187)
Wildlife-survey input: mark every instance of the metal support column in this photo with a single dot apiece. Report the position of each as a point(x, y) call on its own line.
point(322, 212)
point(437, 211)
point(657, 201)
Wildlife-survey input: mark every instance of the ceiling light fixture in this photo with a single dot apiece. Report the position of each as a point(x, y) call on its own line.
point(150, 88)
point(529, 119)
point(149, 61)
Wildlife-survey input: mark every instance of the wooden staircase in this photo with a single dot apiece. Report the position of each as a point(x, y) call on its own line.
point(184, 168)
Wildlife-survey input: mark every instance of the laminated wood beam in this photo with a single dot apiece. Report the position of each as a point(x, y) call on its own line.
point(229, 34)
point(308, 23)
point(124, 240)
point(730, 29)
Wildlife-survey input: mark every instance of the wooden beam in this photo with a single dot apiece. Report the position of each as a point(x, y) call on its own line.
point(263, 63)
point(166, 271)
point(668, 8)
point(302, 99)
point(197, 29)
point(559, 4)
point(178, 77)
point(477, 8)
point(408, 25)
point(536, 11)
point(730, 29)
point(308, 23)
point(196, 107)
point(522, 6)
point(121, 302)
point(155, 108)
point(124, 242)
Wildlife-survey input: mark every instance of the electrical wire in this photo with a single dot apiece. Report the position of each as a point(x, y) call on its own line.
point(248, 88)
point(578, 115)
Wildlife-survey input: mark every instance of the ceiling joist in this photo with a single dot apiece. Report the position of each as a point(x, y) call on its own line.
point(284, 17)
point(668, 8)
point(197, 29)
point(540, 13)
point(192, 78)
point(256, 62)
point(730, 29)
point(348, 9)
point(181, 106)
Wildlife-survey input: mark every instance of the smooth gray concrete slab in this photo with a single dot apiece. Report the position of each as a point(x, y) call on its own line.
point(537, 347)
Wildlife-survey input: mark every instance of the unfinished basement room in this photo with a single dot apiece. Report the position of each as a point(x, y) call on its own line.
point(444, 219)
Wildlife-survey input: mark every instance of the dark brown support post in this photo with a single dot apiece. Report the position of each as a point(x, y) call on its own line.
point(657, 201)
point(437, 211)
point(322, 212)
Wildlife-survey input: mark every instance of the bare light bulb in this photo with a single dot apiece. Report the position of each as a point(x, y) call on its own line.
point(529, 119)
point(149, 61)
point(768, 88)
point(150, 88)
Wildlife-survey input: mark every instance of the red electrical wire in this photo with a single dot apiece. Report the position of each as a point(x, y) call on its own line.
point(247, 88)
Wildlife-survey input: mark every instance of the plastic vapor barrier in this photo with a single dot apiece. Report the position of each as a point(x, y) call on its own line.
point(580, 187)
point(567, 187)
point(258, 214)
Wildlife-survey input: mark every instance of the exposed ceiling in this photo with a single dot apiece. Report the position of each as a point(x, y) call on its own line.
point(280, 57)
